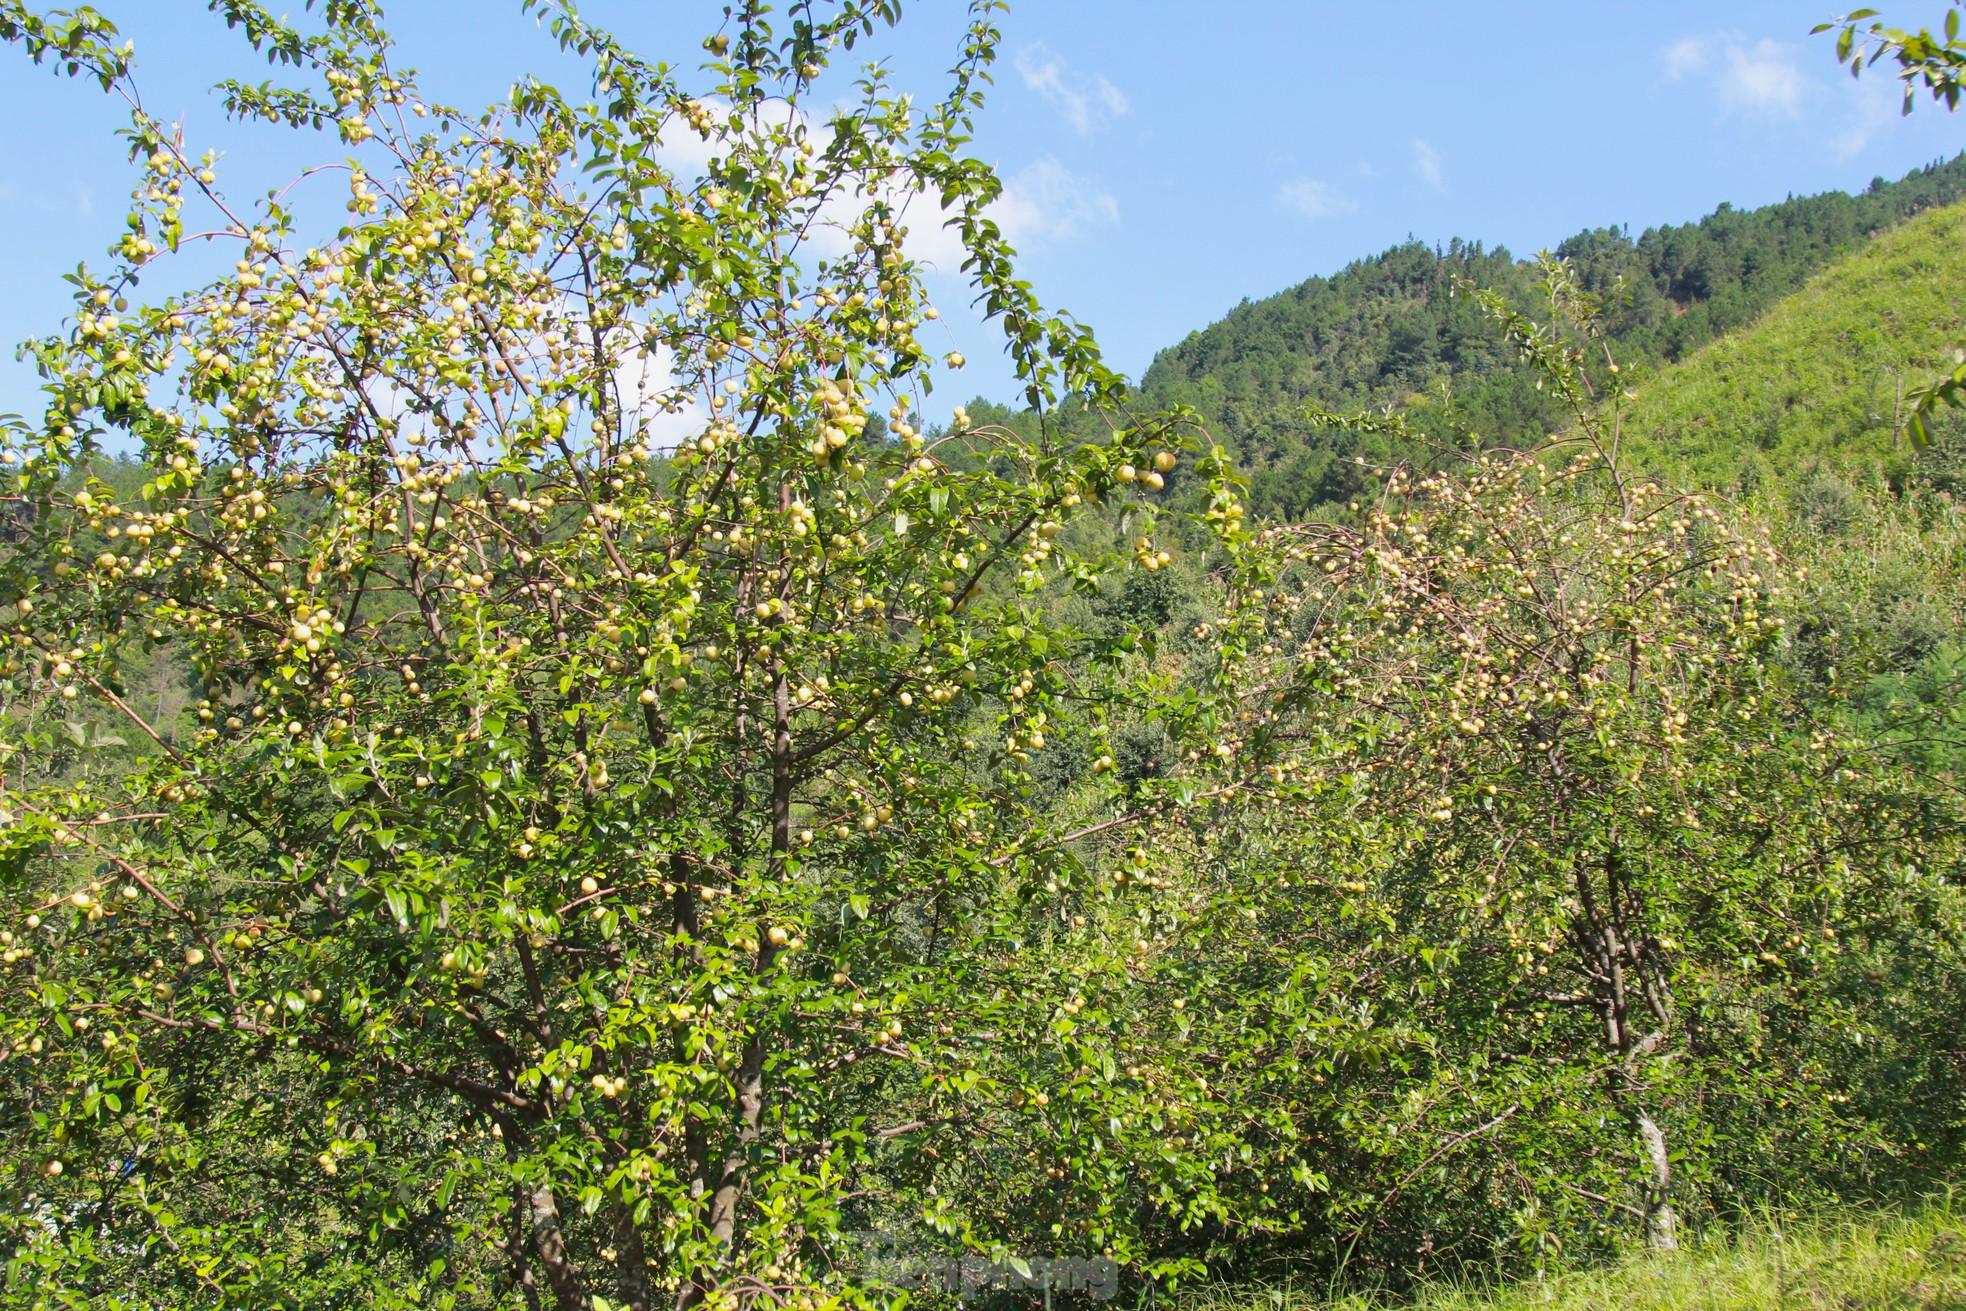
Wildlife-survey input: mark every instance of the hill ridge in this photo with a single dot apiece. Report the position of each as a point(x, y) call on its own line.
point(1386, 330)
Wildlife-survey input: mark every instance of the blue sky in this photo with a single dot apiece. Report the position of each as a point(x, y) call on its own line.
point(1164, 160)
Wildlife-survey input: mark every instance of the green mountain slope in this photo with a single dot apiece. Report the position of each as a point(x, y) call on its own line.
point(1387, 331)
point(1818, 380)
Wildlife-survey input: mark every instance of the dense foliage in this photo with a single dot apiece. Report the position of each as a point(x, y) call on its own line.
point(462, 850)
point(1539, 749)
point(584, 878)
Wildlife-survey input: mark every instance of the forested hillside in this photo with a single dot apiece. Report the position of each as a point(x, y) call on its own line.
point(1388, 331)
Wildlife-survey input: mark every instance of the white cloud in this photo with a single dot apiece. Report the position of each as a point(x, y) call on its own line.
point(1763, 77)
point(929, 239)
point(1760, 77)
point(688, 155)
point(1315, 198)
point(1865, 107)
point(1427, 165)
point(1685, 57)
point(1042, 203)
point(1087, 103)
point(646, 384)
point(1045, 201)
point(1765, 82)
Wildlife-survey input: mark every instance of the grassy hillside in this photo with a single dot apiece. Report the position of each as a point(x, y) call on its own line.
point(1817, 380)
point(1908, 1263)
point(1387, 331)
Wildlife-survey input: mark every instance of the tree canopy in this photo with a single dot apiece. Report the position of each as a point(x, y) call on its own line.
point(534, 773)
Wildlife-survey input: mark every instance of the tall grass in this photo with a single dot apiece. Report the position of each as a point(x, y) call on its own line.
point(1819, 377)
point(1913, 1260)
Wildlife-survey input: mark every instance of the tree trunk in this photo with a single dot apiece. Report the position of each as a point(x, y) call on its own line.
point(1628, 982)
point(750, 1079)
point(748, 1082)
point(631, 1264)
point(518, 1251)
point(551, 1245)
point(1661, 1221)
